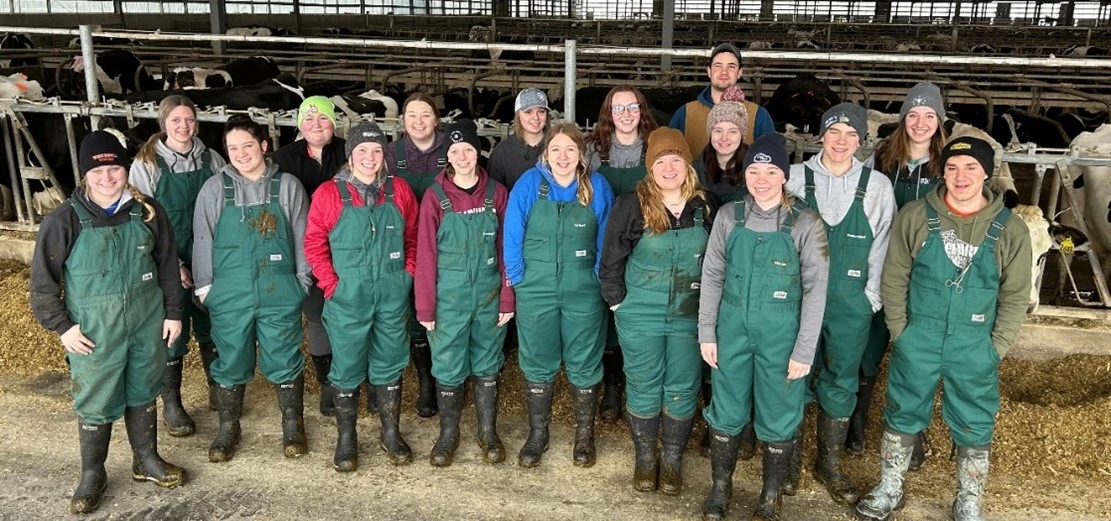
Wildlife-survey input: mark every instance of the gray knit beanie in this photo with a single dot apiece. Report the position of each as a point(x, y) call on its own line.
point(924, 94)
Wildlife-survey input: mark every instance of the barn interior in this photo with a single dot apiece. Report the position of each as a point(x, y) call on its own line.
point(1042, 63)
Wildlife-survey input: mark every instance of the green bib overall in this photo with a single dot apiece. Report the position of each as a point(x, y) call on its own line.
point(112, 292)
point(255, 293)
point(658, 322)
point(419, 182)
point(622, 181)
point(467, 340)
point(560, 312)
point(951, 313)
point(177, 192)
point(367, 316)
point(848, 315)
point(758, 325)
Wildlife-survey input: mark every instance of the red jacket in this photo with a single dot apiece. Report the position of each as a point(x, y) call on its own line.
point(324, 212)
point(431, 215)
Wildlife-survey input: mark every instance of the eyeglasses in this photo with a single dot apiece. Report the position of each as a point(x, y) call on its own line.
point(632, 107)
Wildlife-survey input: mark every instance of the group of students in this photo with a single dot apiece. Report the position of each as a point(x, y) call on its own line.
point(729, 269)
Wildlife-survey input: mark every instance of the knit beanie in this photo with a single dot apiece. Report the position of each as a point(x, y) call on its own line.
point(731, 109)
point(977, 148)
point(848, 113)
point(463, 131)
point(924, 94)
point(364, 132)
point(664, 141)
point(530, 98)
point(101, 148)
point(769, 149)
point(313, 104)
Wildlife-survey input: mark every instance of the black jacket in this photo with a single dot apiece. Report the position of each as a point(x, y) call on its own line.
point(56, 237)
point(294, 159)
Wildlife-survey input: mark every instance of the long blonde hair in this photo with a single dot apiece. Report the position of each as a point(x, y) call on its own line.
point(135, 194)
point(586, 189)
point(652, 199)
point(149, 154)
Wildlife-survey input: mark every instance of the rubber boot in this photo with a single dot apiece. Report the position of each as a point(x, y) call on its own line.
point(972, 477)
point(146, 464)
point(704, 443)
point(371, 401)
point(178, 422)
point(613, 378)
point(347, 441)
point(673, 439)
point(831, 439)
point(450, 403)
point(723, 461)
point(918, 456)
point(422, 361)
point(94, 441)
point(888, 496)
point(646, 469)
point(539, 396)
point(291, 401)
point(229, 404)
point(389, 413)
point(323, 365)
point(208, 355)
point(747, 449)
point(794, 469)
point(777, 458)
point(486, 409)
point(586, 401)
point(858, 422)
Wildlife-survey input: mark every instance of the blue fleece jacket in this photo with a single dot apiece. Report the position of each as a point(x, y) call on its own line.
point(521, 200)
point(764, 124)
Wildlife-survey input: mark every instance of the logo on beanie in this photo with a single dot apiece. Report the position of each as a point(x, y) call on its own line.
point(960, 146)
point(456, 136)
point(761, 158)
point(105, 157)
point(370, 134)
point(839, 118)
point(311, 109)
point(919, 101)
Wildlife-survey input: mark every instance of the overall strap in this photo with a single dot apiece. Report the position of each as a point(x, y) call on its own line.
point(489, 201)
point(441, 197)
point(206, 157)
point(739, 214)
point(136, 212)
point(229, 191)
point(441, 161)
point(388, 187)
point(698, 217)
point(275, 187)
point(862, 184)
point(810, 186)
point(83, 214)
point(933, 222)
point(998, 224)
point(344, 193)
point(789, 222)
point(158, 160)
point(545, 188)
point(399, 154)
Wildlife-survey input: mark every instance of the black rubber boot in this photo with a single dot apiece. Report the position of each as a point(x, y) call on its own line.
point(146, 464)
point(323, 365)
point(178, 422)
point(422, 361)
point(389, 412)
point(777, 458)
point(704, 443)
point(539, 396)
point(858, 423)
point(723, 461)
point(918, 455)
point(613, 378)
point(673, 439)
point(831, 439)
point(486, 409)
point(585, 402)
point(208, 355)
point(229, 404)
point(371, 401)
point(94, 479)
point(291, 401)
point(794, 468)
point(747, 450)
point(646, 469)
point(347, 441)
point(450, 403)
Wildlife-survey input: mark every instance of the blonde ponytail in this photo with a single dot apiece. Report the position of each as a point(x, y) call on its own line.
point(142, 199)
point(148, 155)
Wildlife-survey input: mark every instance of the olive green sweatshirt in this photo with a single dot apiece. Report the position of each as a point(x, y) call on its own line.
point(962, 236)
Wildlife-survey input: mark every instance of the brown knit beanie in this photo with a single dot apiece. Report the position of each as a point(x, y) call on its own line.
point(664, 141)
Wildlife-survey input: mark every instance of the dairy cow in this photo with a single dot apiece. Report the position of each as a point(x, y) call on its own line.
point(1091, 189)
point(245, 71)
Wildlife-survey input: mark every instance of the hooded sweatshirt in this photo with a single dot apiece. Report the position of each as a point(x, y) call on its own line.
point(325, 212)
point(524, 196)
point(510, 159)
point(962, 237)
point(835, 196)
point(620, 156)
point(809, 236)
point(57, 237)
point(145, 176)
point(432, 215)
point(210, 202)
point(416, 160)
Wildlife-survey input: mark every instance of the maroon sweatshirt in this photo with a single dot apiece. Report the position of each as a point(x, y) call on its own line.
point(431, 215)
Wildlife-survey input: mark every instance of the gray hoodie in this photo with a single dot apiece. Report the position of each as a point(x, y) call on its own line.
point(145, 176)
point(810, 240)
point(835, 197)
point(621, 156)
point(210, 202)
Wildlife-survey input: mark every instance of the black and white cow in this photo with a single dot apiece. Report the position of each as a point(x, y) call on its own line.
point(244, 71)
point(1083, 51)
point(281, 93)
point(11, 43)
point(118, 71)
point(258, 30)
point(1092, 192)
